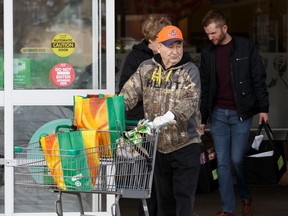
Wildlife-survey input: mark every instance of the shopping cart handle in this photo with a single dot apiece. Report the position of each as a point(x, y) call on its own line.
point(135, 123)
point(131, 122)
point(158, 127)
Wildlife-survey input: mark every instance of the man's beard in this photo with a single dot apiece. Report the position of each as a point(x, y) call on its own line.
point(220, 40)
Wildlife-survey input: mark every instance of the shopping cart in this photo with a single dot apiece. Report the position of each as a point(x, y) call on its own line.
point(126, 173)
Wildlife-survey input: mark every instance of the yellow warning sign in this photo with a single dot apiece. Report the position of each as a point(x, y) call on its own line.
point(63, 45)
point(35, 50)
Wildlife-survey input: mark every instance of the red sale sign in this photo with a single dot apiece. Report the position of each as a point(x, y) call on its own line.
point(62, 75)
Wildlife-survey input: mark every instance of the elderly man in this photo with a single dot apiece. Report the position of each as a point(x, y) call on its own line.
point(169, 86)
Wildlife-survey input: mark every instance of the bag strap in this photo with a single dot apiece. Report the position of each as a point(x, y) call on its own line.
point(69, 127)
point(268, 131)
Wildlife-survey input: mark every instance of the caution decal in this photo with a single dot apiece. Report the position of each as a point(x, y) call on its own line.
point(63, 45)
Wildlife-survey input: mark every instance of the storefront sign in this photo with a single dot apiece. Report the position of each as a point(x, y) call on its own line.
point(62, 75)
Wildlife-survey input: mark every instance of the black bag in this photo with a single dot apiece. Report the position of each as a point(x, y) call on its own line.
point(208, 179)
point(265, 169)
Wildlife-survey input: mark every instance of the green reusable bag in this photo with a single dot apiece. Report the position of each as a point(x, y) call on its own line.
point(67, 160)
point(34, 152)
point(74, 161)
point(101, 112)
point(116, 117)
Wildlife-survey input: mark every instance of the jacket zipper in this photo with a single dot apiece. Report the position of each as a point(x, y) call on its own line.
point(233, 86)
point(213, 77)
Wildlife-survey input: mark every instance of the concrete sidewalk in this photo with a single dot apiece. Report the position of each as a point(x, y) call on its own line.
point(268, 201)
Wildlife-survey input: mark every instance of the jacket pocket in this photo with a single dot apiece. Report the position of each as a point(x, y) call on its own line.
point(246, 98)
point(245, 88)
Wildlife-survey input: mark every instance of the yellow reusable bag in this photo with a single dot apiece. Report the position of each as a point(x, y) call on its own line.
point(72, 159)
point(100, 112)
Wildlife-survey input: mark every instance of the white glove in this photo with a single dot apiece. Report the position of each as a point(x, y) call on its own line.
point(168, 117)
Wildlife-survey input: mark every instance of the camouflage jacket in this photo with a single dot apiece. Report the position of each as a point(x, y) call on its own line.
point(176, 89)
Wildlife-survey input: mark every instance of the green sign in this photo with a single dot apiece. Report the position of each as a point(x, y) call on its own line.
point(21, 68)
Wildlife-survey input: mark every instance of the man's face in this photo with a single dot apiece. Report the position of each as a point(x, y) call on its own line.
point(172, 54)
point(216, 34)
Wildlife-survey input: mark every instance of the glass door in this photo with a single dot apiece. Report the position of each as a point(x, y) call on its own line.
point(53, 50)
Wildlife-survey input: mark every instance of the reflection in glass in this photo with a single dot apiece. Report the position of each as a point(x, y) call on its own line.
point(280, 65)
point(47, 33)
point(27, 121)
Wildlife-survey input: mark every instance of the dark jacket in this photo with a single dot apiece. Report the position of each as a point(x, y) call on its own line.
point(140, 52)
point(248, 80)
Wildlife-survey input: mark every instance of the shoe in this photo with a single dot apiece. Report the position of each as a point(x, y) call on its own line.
point(247, 207)
point(222, 213)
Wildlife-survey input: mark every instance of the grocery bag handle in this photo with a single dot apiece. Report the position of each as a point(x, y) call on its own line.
point(70, 127)
point(268, 131)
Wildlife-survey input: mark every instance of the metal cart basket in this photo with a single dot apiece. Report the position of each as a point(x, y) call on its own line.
point(127, 172)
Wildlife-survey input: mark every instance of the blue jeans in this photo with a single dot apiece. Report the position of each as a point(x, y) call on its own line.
point(230, 136)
